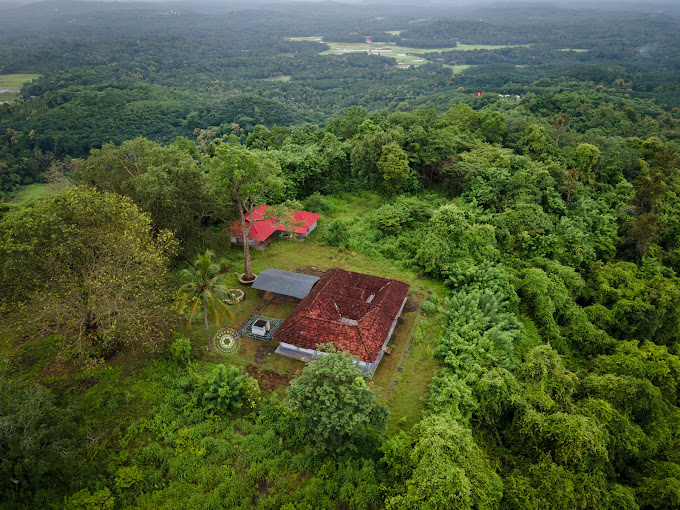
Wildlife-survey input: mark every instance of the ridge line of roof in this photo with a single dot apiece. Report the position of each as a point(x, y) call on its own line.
point(302, 307)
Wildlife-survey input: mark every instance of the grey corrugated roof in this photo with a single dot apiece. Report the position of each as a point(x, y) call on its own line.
point(285, 282)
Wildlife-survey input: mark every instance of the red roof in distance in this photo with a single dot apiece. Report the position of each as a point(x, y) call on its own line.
point(354, 311)
point(265, 227)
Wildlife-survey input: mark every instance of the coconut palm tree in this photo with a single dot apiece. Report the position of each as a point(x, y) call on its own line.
point(203, 283)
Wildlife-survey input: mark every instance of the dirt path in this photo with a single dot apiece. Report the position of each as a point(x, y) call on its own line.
point(268, 379)
point(264, 349)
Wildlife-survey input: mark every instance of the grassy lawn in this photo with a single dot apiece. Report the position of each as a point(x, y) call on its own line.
point(337, 48)
point(38, 190)
point(16, 80)
point(256, 357)
point(455, 69)
point(576, 50)
point(11, 83)
point(402, 54)
point(413, 375)
point(469, 47)
point(282, 77)
point(310, 38)
point(31, 192)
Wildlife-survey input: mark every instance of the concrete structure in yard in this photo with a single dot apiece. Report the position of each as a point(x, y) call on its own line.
point(355, 312)
point(268, 226)
point(261, 328)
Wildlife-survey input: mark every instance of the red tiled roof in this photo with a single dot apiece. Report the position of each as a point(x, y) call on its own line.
point(263, 228)
point(260, 231)
point(354, 311)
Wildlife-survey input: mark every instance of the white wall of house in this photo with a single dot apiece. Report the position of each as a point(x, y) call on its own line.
point(292, 347)
point(394, 324)
point(311, 353)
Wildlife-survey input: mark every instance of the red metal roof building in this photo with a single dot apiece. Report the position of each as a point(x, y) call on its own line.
point(354, 311)
point(298, 227)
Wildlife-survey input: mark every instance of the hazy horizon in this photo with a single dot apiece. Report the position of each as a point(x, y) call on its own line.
point(624, 4)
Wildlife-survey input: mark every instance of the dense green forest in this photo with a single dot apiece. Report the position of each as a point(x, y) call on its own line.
point(527, 190)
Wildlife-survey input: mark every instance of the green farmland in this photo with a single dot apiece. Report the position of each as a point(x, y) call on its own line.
point(10, 84)
point(283, 78)
point(404, 55)
point(16, 80)
point(455, 69)
point(470, 47)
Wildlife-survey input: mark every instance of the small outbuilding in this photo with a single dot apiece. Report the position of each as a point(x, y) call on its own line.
point(285, 284)
point(261, 328)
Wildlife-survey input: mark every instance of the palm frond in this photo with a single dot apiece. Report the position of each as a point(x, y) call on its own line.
point(194, 309)
point(204, 282)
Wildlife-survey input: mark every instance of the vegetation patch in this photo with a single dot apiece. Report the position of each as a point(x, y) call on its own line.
point(31, 192)
point(405, 55)
point(16, 80)
point(402, 54)
point(471, 47)
point(455, 69)
point(306, 38)
point(283, 78)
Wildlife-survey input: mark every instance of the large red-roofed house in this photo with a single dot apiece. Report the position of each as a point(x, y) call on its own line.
point(266, 227)
point(355, 312)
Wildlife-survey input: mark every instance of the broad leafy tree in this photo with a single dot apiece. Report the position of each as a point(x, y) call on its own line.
point(88, 267)
point(393, 164)
point(38, 441)
point(336, 409)
point(166, 182)
point(446, 469)
point(449, 236)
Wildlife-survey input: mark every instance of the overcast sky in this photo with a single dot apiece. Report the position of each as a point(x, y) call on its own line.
point(640, 5)
point(565, 3)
